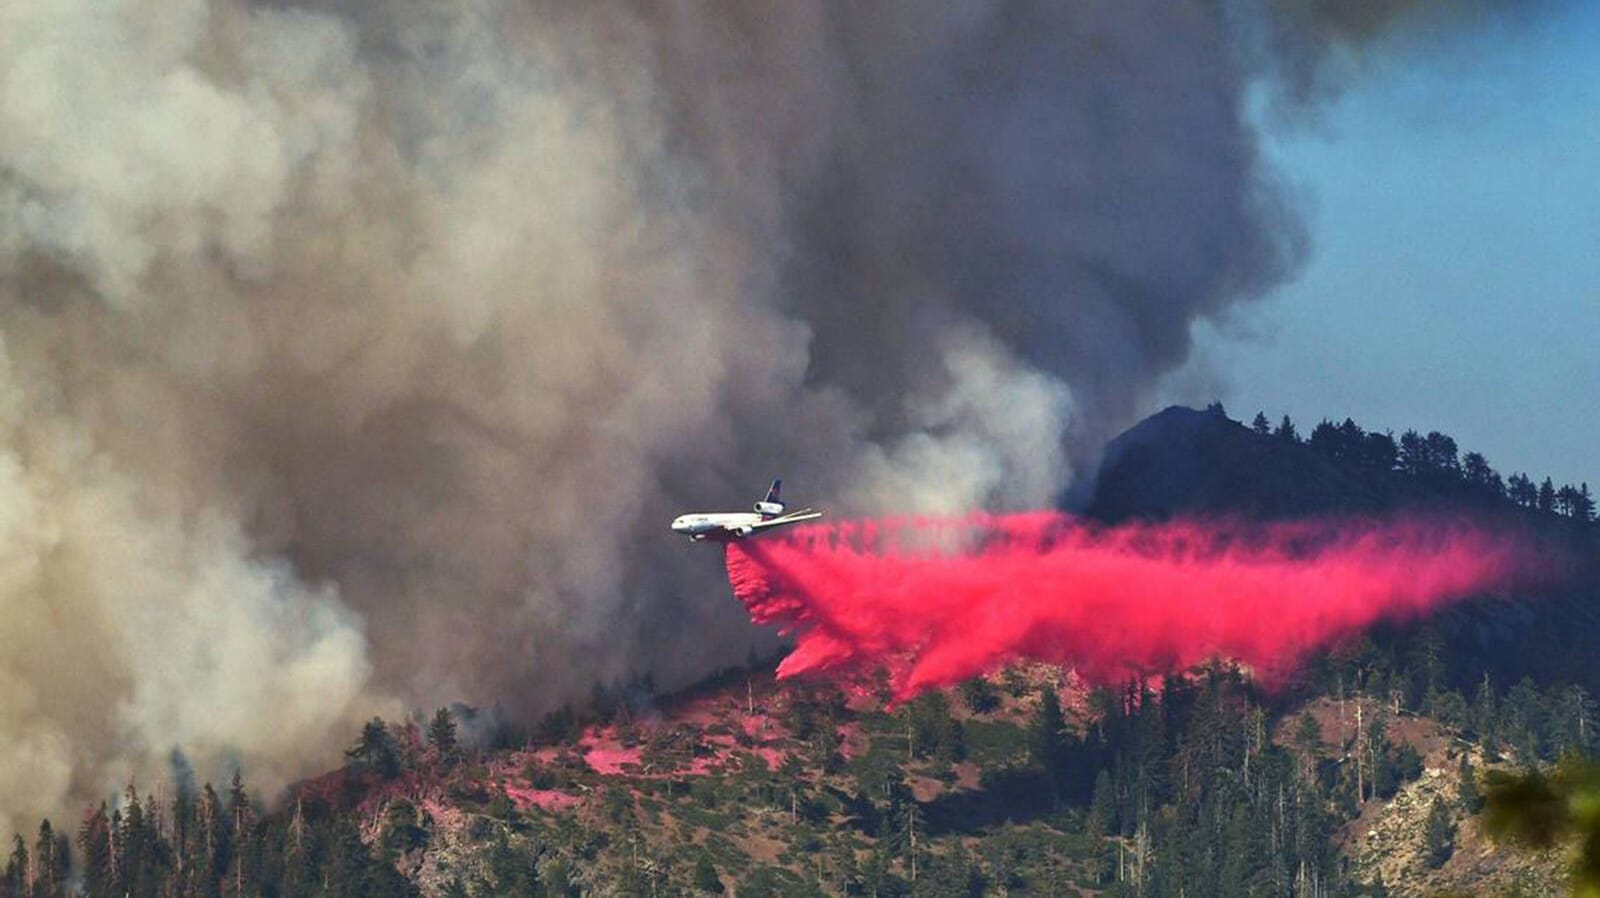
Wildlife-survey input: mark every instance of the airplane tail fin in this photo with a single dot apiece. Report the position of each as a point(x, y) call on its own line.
point(772, 506)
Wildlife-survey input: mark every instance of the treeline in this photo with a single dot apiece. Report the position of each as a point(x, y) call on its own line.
point(1433, 459)
point(1197, 786)
point(203, 845)
point(1182, 791)
point(1420, 673)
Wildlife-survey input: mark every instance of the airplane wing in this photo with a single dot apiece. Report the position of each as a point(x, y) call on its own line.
point(793, 517)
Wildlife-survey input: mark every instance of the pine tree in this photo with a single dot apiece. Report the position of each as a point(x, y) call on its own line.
point(1379, 452)
point(513, 872)
point(17, 874)
point(1413, 453)
point(299, 874)
point(1440, 835)
point(375, 750)
point(705, 877)
point(1384, 779)
point(1521, 490)
point(240, 820)
point(347, 874)
point(555, 880)
point(1583, 504)
point(442, 736)
point(1102, 807)
point(1574, 709)
point(1325, 438)
point(1286, 431)
point(46, 866)
point(129, 858)
point(1486, 712)
point(1441, 453)
point(1467, 794)
point(94, 847)
point(1567, 501)
point(979, 695)
point(212, 843)
point(1475, 468)
point(1546, 501)
point(1261, 425)
point(1046, 746)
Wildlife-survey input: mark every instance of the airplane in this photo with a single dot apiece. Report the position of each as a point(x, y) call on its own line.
point(728, 525)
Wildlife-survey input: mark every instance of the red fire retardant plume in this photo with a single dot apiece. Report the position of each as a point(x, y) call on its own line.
point(939, 601)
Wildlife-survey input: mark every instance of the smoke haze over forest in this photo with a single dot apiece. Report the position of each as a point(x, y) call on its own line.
point(354, 354)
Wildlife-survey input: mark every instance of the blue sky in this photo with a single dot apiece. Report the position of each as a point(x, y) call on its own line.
point(1452, 194)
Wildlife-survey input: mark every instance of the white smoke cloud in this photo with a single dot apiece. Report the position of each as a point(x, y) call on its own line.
point(990, 437)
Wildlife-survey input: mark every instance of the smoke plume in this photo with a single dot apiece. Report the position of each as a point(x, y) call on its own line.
point(354, 354)
point(940, 601)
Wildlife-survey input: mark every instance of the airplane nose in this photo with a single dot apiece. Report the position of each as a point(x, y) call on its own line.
point(678, 526)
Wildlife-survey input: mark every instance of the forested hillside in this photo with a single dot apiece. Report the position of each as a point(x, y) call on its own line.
point(1359, 777)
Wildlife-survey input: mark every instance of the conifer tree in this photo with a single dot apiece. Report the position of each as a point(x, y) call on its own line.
point(556, 880)
point(1441, 453)
point(376, 750)
point(46, 866)
point(442, 735)
point(1583, 504)
point(16, 881)
point(1046, 747)
point(1379, 452)
point(94, 847)
point(1102, 806)
point(347, 873)
point(1467, 794)
point(240, 829)
point(1413, 453)
point(1521, 489)
point(979, 695)
point(1475, 468)
point(1546, 501)
point(705, 877)
point(1486, 712)
point(1439, 837)
point(1261, 425)
point(1567, 501)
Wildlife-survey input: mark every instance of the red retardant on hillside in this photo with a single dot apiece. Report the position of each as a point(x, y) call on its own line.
point(939, 601)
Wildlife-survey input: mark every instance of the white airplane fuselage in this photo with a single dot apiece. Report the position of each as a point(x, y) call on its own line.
point(769, 514)
point(716, 523)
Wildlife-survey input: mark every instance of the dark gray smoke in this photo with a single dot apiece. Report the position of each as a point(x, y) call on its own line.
point(355, 355)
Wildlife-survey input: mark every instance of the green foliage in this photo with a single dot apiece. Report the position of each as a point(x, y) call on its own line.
point(979, 696)
point(1204, 786)
point(706, 878)
point(1439, 835)
point(555, 879)
point(401, 832)
point(500, 806)
point(376, 749)
point(1541, 810)
point(1467, 792)
point(442, 736)
point(1046, 731)
point(1407, 763)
